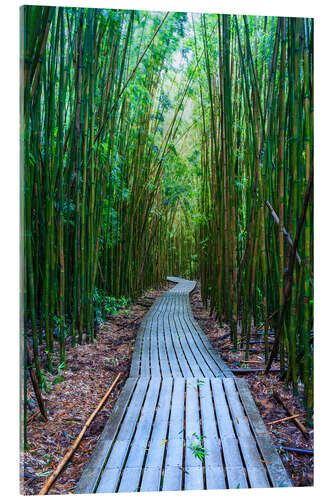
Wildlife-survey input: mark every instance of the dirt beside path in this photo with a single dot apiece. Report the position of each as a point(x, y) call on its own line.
point(91, 368)
point(299, 467)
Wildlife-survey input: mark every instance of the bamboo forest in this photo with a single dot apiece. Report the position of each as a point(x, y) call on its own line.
point(157, 145)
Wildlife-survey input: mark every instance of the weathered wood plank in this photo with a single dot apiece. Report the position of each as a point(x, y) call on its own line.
point(110, 476)
point(276, 471)
point(230, 449)
point(162, 354)
point(212, 444)
point(91, 474)
point(255, 468)
point(177, 334)
point(192, 342)
point(132, 471)
point(153, 466)
point(220, 368)
point(173, 472)
point(193, 465)
point(190, 364)
point(174, 365)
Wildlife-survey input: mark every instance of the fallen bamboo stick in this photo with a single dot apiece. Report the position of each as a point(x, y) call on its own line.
point(259, 341)
point(269, 318)
point(30, 419)
point(252, 361)
point(286, 418)
point(244, 371)
point(297, 422)
point(77, 441)
point(242, 349)
point(296, 450)
point(128, 323)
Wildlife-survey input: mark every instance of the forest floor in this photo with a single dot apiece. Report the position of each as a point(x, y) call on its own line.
point(90, 370)
point(298, 466)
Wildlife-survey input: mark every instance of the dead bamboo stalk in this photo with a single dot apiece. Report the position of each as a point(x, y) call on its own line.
point(267, 319)
point(287, 235)
point(297, 422)
point(77, 441)
point(286, 418)
point(251, 361)
point(289, 276)
point(244, 371)
point(35, 385)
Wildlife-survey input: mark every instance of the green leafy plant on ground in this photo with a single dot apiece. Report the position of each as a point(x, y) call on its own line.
point(107, 306)
point(197, 447)
point(59, 378)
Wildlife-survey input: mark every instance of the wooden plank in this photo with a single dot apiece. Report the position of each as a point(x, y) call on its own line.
point(133, 467)
point(153, 467)
point(173, 472)
point(174, 365)
point(206, 345)
point(236, 478)
point(151, 480)
point(256, 471)
point(109, 481)
point(230, 449)
point(193, 465)
point(210, 352)
point(173, 477)
point(145, 351)
point(194, 478)
point(110, 476)
point(277, 473)
point(213, 460)
point(145, 345)
point(176, 336)
point(190, 365)
point(192, 342)
point(255, 420)
point(215, 479)
point(91, 474)
point(162, 354)
point(173, 279)
point(153, 347)
point(136, 357)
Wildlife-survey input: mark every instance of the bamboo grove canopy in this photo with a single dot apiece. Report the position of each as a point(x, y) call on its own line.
point(157, 144)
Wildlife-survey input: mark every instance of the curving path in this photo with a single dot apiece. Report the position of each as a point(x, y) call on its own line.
point(181, 396)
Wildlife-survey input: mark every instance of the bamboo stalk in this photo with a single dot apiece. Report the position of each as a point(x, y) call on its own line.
point(35, 385)
point(290, 271)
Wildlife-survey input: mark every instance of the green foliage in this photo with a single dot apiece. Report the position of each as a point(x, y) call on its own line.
point(59, 378)
point(107, 306)
point(44, 386)
point(197, 447)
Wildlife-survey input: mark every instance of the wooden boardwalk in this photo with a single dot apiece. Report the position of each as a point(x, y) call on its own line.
point(180, 394)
